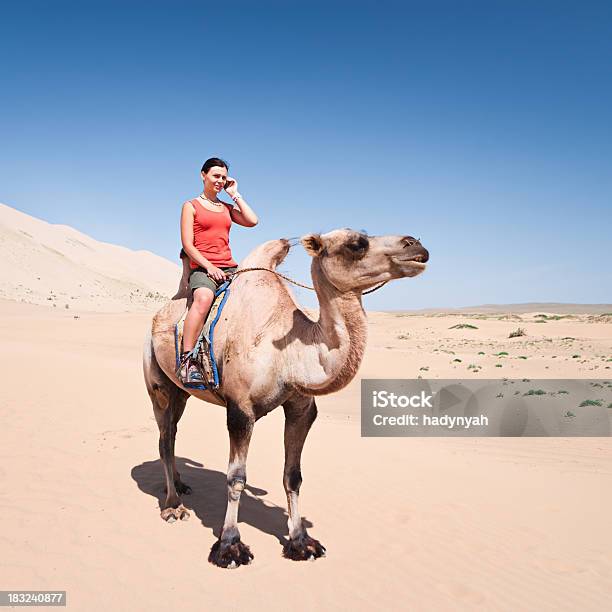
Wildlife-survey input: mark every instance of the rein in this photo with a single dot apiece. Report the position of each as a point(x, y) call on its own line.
point(232, 274)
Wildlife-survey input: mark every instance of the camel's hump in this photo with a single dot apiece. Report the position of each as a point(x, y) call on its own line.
point(268, 255)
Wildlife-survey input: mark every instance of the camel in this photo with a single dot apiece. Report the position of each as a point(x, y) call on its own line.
point(270, 353)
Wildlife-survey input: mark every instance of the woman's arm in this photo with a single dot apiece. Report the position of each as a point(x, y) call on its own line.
point(244, 215)
point(187, 216)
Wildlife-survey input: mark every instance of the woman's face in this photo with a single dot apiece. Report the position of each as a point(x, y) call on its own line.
point(215, 178)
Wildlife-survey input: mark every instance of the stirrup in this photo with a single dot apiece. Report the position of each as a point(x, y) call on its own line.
point(185, 362)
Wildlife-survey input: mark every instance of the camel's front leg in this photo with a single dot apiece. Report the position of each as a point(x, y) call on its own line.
point(299, 416)
point(229, 550)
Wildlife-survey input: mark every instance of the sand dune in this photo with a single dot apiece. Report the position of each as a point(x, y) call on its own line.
point(62, 267)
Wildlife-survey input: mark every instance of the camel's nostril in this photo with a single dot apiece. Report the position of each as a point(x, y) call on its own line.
point(423, 257)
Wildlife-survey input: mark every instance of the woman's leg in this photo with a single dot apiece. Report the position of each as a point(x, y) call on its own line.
point(194, 321)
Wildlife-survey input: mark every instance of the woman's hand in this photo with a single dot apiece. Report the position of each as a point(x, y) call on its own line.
point(231, 186)
point(216, 274)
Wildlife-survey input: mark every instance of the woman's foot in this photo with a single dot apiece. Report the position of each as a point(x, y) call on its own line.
point(189, 370)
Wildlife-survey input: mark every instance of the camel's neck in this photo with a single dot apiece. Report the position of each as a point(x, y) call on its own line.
point(338, 338)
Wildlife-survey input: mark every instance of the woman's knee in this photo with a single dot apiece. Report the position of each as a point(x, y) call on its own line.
point(202, 300)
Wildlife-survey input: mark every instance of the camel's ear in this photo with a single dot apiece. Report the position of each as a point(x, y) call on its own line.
point(313, 244)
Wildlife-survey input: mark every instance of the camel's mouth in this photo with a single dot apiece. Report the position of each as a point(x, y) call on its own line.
point(415, 261)
point(410, 266)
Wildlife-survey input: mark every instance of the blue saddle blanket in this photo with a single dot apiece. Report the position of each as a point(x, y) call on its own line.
point(203, 350)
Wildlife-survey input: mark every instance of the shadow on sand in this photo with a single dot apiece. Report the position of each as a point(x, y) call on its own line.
point(208, 499)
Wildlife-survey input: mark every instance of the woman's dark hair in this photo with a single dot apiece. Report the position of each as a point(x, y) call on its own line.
point(214, 161)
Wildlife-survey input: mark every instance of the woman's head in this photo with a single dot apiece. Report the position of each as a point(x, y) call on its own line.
point(214, 172)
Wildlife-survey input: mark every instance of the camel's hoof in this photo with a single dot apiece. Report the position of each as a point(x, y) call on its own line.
point(170, 515)
point(230, 554)
point(303, 548)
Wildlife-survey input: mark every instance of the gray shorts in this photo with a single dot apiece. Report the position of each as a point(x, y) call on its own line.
point(199, 278)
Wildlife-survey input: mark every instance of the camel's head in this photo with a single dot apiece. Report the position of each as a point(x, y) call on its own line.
point(353, 260)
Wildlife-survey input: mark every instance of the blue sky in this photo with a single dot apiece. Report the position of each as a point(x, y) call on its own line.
point(482, 127)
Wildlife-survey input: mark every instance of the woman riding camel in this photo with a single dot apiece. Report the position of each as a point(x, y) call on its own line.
point(205, 227)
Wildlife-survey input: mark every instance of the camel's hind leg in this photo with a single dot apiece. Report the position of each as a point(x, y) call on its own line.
point(168, 406)
point(300, 414)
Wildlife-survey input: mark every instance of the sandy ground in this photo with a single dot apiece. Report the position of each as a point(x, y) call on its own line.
point(409, 523)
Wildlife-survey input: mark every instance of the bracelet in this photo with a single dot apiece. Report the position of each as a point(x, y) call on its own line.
point(236, 197)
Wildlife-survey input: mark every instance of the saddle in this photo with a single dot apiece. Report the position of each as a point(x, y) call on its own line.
point(203, 351)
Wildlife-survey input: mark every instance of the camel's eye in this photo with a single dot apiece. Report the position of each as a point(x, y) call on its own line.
point(358, 246)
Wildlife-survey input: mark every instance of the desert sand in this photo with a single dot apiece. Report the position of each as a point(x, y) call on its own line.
point(408, 523)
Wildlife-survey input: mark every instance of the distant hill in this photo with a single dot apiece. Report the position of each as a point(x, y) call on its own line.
point(56, 265)
point(543, 307)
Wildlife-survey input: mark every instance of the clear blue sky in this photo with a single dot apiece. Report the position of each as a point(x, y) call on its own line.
point(483, 127)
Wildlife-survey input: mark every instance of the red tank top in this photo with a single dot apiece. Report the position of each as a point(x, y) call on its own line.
point(211, 235)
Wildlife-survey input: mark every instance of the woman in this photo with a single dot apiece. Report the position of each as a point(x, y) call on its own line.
point(205, 227)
